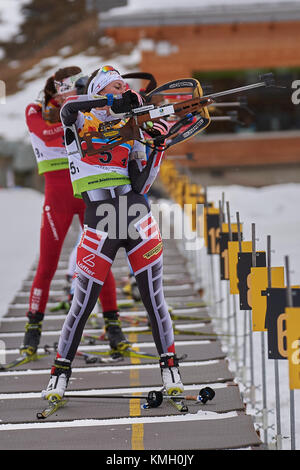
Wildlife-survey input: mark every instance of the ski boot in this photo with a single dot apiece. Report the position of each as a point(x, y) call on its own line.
point(62, 305)
point(33, 330)
point(114, 333)
point(60, 375)
point(169, 368)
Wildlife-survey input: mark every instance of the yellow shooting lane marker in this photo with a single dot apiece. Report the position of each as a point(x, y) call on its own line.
point(137, 430)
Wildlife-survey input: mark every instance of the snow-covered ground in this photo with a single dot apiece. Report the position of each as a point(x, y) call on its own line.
point(273, 209)
point(20, 212)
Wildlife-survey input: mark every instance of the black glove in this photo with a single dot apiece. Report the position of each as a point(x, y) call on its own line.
point(125, 104)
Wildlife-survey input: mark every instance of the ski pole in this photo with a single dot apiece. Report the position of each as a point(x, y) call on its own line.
point(154, 398)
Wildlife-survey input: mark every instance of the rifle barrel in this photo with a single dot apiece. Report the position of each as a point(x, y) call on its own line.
point(235, 90)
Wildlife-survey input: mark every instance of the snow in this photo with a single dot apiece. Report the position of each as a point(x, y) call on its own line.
point(11, 18)
point(20, 211)
point(136, 6)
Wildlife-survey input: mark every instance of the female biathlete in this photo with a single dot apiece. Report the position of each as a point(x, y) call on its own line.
point(113, 185)
point(60, 205)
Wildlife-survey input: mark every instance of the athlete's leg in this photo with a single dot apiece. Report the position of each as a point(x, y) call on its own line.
point(93, 265)
point(146, 260)
point(85, 297)
point(108, 294)
point(53, 231)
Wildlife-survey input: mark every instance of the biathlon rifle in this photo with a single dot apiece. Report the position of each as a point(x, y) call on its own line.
point(190, 116)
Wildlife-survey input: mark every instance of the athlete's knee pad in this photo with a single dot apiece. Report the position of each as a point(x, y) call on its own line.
point(149, 246)
point(90, 259)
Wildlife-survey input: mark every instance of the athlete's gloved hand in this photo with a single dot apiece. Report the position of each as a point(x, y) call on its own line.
point(125, 104)
point(157, 130)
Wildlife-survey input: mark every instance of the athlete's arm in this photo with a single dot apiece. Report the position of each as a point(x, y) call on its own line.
point(37, 124)
point(143, 174)
point(142, 177)
point(118, 104)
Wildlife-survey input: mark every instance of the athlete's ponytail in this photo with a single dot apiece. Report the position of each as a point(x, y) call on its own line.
point(50, 113)
point(49, 90)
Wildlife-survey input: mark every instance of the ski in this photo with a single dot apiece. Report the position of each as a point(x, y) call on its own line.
point(135, 320)
point(63, 305)
point(135, 306)
point(152, 400)
point(205, 394)
point(177, 403)
point(52, 407)
point(194, 333)
point(21, 360)
point(130, 353)
point(155, 398)
point(199, 304)
point(112, 355)
point(124, 304)
point(92, 359)
point(190, 318)
point(123, 353)
point(93, 339)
